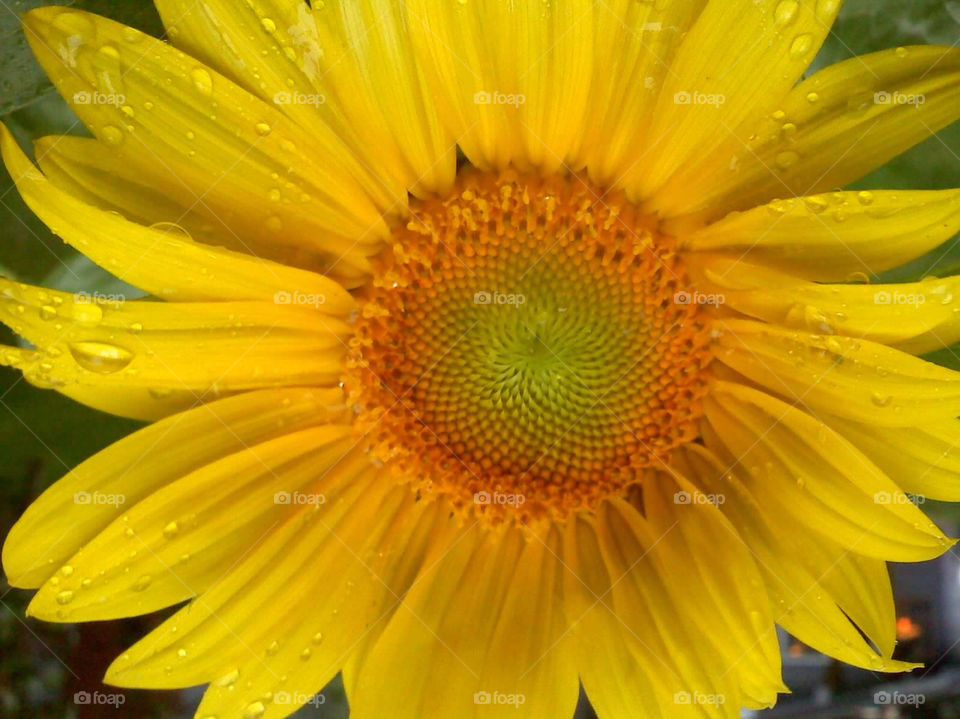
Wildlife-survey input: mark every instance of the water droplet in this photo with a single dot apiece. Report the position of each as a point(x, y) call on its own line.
point(865, 197)
point(263, 129)
point(228, 679)
point(273, 648)
point(268, 24)
point(816, 204)
point(181, 652)
point(881, 400)
point(254, 710)
point(274, 195)
point(902, 52)
point(143, 581)
point(813, 98)
point(128, 111)
point(274, 224)
point(111, 135)
point(787, 159)
point(66, 570)
point(86, 313)
point(801, 45)
point(318, 638)
point(785, 12)
point(305, 654)
point(47, 312)
point(65, 597)
point(202, 81)
point(170, 531)
point(827, 9)
point(100, 357)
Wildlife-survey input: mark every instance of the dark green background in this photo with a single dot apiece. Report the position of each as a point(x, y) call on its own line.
point(43, 434)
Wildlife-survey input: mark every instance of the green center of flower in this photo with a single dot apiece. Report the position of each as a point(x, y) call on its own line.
point(522, 346)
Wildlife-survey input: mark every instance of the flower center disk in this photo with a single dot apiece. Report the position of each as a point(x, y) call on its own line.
point(522, 349)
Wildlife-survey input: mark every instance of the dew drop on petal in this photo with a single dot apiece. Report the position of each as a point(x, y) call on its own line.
point(171, 530)
point(142, 582)
point(801, 45)
point(100, 357)
point(202, 81)
point(112, 135)
point(785, 12)
point(787, 159)
point(65, 597)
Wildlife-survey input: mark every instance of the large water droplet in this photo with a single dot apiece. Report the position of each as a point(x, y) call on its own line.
point(112, 135)
point(65, 597)
point(786, 12)
point(100, 357)
point(202, 81)
point(801, 45)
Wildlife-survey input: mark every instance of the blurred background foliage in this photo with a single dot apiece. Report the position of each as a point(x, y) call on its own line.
point(43, 434)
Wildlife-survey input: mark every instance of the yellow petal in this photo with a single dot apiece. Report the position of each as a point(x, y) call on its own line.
point(61, 521)
point(175, 543)
point(829, 130)
point(164, 263)
point(200, 347)
point(799, 465)
point(714, 84)
point(638, 44)
point(370, 68)
point(516, 95)
point(916, 317)
point(922, 460)
point(814, 613)
point(616, 681)
point(853, 378)
point(830, 237)
point(635, 559)
point(355, 586)
point(536, 664)
point(725, 599)
point(228, 147)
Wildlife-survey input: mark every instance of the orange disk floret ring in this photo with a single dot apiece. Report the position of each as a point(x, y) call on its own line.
point(522, 349)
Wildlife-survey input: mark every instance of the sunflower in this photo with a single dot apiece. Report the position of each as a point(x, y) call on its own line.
point(491, 349)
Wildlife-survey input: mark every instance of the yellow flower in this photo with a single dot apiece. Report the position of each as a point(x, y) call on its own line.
point(591, 405)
